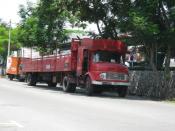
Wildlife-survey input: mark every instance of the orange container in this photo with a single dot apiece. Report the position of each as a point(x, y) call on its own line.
point(13, 65)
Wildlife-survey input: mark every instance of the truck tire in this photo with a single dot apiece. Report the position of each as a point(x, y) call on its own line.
point(11, 77)
point(20, 79)
point(122, 91)
point(67, 86)
point(89, 87)
point(51, 84)
point(31, 80)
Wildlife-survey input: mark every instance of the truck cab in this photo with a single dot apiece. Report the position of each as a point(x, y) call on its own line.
point(100, 66)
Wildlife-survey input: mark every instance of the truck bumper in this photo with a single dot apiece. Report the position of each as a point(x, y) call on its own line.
point(111, 83)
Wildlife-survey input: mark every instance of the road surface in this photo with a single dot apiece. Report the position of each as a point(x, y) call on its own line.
point(24, 108)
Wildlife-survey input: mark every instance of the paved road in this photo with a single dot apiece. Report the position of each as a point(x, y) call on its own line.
point(24, 108)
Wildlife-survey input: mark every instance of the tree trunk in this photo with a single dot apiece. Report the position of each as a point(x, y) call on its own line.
point(154, 89)
point(167, 62)
point(152, 57)
point(98, 27)
point(167, 86)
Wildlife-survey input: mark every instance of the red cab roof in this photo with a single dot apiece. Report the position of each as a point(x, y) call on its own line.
point(104, 44)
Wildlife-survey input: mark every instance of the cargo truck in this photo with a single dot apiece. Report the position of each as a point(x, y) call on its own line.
point(93, 64)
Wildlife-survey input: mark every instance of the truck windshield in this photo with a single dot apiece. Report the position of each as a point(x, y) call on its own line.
point(106, 56)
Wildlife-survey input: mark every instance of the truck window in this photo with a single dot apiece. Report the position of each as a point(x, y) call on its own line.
point(106, 56)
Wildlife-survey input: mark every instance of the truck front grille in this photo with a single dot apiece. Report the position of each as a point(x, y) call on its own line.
point(116, 76)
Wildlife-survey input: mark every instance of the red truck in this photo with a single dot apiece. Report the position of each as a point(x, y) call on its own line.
point(95, 65)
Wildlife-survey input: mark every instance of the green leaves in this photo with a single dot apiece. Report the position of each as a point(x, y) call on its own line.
point(4, 38)
point(143, 25)
point(149, 21)
point(27, 32)
point(43, 26)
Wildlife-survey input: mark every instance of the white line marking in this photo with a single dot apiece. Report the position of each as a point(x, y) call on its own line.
point(17, 124)
point(11, 124)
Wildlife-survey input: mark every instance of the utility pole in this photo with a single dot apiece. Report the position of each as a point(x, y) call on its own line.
point(9, 41)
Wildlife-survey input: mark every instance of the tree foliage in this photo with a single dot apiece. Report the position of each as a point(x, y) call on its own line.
point(28, 26)
point(152, 21)
point(43, 25)
point(149, 22)
point(109, 15)
point(4, 38)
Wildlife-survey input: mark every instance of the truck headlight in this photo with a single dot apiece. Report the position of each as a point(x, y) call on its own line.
point(103, 76)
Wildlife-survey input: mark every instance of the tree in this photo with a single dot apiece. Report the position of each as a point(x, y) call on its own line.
point(3, 40)
point(109, 15)
point(42, 26)
point(152, 21)
point(27, 29)
point(4, 37)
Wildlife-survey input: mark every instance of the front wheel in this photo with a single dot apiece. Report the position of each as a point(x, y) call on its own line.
point(89, 87)
point(122, 91)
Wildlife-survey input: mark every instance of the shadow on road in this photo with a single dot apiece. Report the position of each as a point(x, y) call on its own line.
point(81, 92)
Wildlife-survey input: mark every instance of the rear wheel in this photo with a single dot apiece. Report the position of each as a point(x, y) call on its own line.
point(89, 87)
point(67, 86)
point(20, 79)
point(122, 91)
point(31, 81)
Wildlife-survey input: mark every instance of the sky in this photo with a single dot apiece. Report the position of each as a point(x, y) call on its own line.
point(9, 9)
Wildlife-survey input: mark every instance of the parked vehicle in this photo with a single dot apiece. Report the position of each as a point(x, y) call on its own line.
point(12, 68)
point(95, 65)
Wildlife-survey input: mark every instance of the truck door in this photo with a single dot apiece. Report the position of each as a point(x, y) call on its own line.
point(83, 62)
